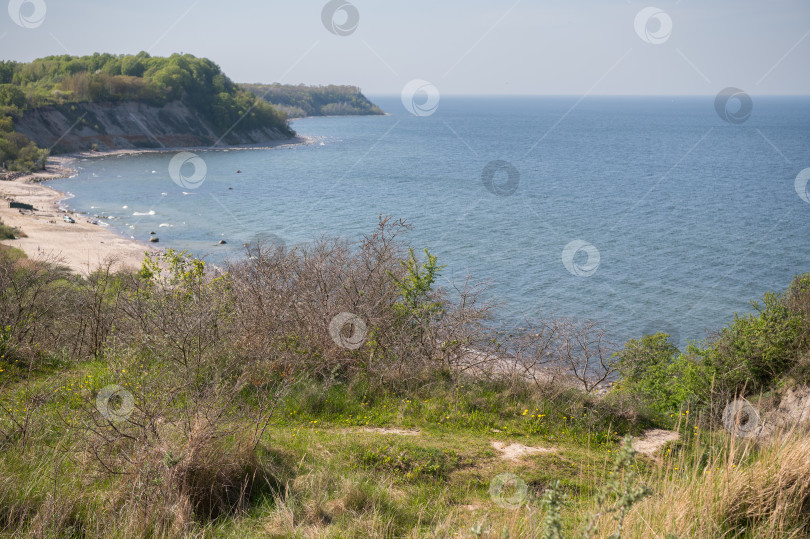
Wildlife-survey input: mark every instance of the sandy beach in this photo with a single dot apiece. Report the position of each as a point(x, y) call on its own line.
point(82, 246)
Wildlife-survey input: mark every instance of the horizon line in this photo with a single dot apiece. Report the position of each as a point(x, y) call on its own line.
point(580, 95)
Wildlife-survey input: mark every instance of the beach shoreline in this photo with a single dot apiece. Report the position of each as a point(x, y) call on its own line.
point(85, 245)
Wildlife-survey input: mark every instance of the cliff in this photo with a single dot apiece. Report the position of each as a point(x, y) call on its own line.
point(130, 125)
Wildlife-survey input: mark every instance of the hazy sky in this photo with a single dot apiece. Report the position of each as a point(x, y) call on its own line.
point(462, 47)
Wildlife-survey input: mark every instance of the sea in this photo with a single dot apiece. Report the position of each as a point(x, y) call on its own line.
point(644, 213)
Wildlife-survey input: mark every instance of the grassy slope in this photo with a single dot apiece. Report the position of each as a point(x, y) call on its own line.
point(411, 482)
point(319, 468)
point(344, 480)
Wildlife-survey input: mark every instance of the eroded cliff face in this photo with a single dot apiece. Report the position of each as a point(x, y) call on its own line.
point(128, 125)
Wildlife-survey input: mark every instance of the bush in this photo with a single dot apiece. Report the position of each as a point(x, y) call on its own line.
point(286, 301)
point(9, 233)
point(20, 154)
point(755, 350)
point(751, 355)
point(657, 376)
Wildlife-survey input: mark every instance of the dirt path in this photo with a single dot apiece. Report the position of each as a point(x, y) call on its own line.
point(653, 441)
point(515, 451)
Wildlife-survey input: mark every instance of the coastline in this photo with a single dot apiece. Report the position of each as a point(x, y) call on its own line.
point(83, 246)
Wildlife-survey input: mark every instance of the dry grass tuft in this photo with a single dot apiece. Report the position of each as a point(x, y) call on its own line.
point(749, 490)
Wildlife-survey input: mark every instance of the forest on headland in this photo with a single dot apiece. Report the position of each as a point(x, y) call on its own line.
point(299, 101)
point(62, 82)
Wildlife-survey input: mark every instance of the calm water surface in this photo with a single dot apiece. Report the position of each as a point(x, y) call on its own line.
point(691, 217)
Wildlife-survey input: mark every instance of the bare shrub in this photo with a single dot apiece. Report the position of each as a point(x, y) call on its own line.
point(286, 300)
point(586, 352)
point(29, 304)
point(95, 310)
point(183, 437)
point(554, 353)
point(178, 309)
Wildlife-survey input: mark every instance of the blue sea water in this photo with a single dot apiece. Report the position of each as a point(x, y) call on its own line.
point(691, 217)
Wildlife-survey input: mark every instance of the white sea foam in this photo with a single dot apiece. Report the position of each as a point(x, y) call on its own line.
point(141, 213)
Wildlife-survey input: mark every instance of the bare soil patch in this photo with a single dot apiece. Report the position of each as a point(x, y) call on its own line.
point(654, 440)
point(516, 451)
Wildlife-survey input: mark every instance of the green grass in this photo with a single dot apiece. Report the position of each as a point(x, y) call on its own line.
point(347, 455)
point(334, 471)
point(334, 474)
point(9, 233)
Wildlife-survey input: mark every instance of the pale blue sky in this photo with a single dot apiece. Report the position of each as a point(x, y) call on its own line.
point(462, 47)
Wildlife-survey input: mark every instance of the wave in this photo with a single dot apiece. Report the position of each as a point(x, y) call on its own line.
point(141, 213)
